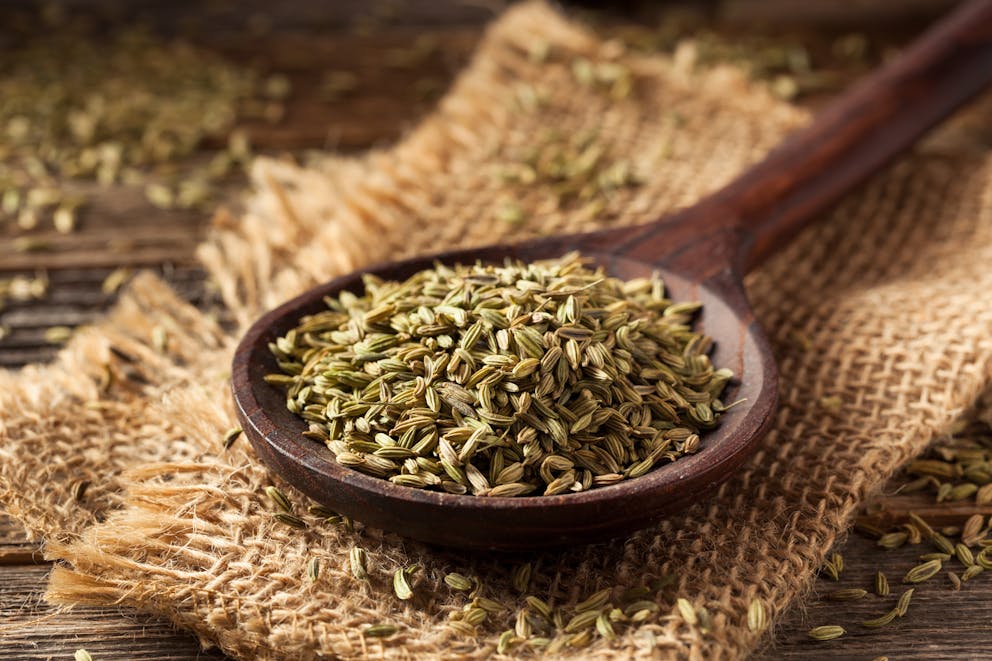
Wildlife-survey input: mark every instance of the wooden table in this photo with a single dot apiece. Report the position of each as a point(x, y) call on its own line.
point(387, 101)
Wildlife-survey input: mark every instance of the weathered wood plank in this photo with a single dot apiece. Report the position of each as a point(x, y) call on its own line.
point(15, 549)
point(398, 79)
point(116, 227)
point(245, 18)
point(386, 101)
point(31, 630)
point(853, 14)
point(75, 296)
point(941, 623)
point(893, 510)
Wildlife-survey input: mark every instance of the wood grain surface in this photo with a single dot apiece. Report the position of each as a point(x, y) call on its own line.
point(941, 624)
point(33, 631)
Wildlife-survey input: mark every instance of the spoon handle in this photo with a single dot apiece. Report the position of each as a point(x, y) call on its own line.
point(855, 136)
point(733, 230)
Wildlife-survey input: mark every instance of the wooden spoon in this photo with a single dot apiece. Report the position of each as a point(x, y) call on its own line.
point(702, 253)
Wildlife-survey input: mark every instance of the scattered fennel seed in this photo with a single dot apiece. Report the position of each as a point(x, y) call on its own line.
point(827, 632)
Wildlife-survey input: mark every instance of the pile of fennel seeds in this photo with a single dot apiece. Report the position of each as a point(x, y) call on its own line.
point(513, 380)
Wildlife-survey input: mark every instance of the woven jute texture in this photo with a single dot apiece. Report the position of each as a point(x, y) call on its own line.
point(884, 305)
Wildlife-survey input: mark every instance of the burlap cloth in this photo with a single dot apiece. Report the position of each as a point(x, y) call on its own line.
point(884, 304)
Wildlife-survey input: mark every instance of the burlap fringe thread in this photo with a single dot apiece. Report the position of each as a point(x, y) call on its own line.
point(889, 296)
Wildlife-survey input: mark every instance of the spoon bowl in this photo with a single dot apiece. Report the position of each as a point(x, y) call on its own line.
point(702, 253)
point(523, 522)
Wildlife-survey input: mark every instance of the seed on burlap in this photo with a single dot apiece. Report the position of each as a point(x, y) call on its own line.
point(539, 606)
point(616, 615)
point(640, 610)
point(358, 559)
point(458, 582)
point(79, 489)
point(473, 616)
point(523, 625)
point(230, 436)
point(757, 620)
point(556, 645)
point(595, 601)
point(510, 212)
point(289, 520)
point(826, 632)
point(581, 621)
point(82, 655)
point(476, 589)
point(831, 402)
point(279, 498)
point(604, 626)
point(401, 585)
point(160, 339)
point(558, 618)
point(313, 569)
point(321, 511)
point(507, 640)
point(705, 620)
point(463, 628)
point(521, 577)
point(687, 611)
point(488, 605)
point(380, 631)
point(580, 640)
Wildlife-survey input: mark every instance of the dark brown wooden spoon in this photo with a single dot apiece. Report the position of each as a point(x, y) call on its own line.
point(702, 252)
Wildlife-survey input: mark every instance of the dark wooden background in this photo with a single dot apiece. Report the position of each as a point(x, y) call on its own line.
point(305, 40)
